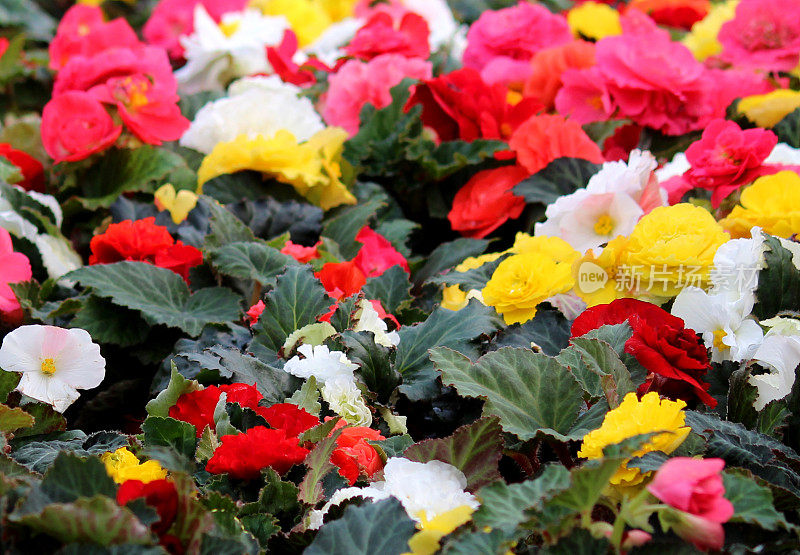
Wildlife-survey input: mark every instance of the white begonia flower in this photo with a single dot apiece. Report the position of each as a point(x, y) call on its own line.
point(58, 256)
point(54, 362)
point(344, 398)
point(724, 323)
point(236, 47)
point(781, 354)
point(328, 46)
point(783, 154)
point(428, 489)
point(443, 27)
point(369, 320)
point(678, 166)
point(736, 266)
point(254, 106)
point(320, 362)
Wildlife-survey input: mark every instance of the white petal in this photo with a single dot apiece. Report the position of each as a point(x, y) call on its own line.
point(22, 349)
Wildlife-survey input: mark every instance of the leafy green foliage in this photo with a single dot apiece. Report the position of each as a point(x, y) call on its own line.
point(595, 364)
point(562, 176)
point(250, 260)
point(448, 255)
point(548, 330)
point(778, 283)
point(318, 464)
point(752, 502)
point(160, 295)
point(39, 452)
point(109, 323)
point(178, 385)
point(168, 432)
point(382, 527)
point(788, 129)
point(531, 393)
point(373, 359)
point(391, 288)
point(343, 224)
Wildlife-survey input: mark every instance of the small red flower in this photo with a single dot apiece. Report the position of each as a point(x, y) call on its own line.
point(197, 407)
point(300, 253)
point(179, 258)
point(254, 312)
point(30, 168)
point(288, 417)
point(381, 34)
point(377, 255)
point(159, 494)
point(673, 355)
point(341, 279)
point(244, 455)
point(353, 455)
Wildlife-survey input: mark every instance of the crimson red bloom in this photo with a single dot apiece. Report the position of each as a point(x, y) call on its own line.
point(288, 417)
point(31, 169)
point(83, 32)
point(673, 13)
point(486, 201)
point(542, 139)
point(4, 42)
point(675, 358)
point(620, 144)
point(341, 279)
point(353, 455)
point(280, 58)
point(254, 312)
point(460, 105)
point(159, 494)
point(725, 157)
point(300, 253)
point(144, 241)
point(197, 407)
point(377, 255)
point(75, 125)
point(244, 455)
point(381, 34)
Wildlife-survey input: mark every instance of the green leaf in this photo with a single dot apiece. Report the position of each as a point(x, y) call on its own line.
point(778, 283)
point(788, 129)
point(12, 419)
point(579, 542)
point(492, 542)
point(39, 452)
point(392, 446)
point(97, 520)
point(311, 334)
point(475, 449)
point(36, 22)
point(443, 328)
point(72, 477)
point(125, 170)
point(178, 385)
point(531, 393)
point(475, 278)
point(548, 330)
point(222, 421)
point(168, 432)
point(318, 462)
point(382, 527)
point(307, 397)
point(224, 226)
point(206, 446)
point(250, 260)
point(598, 369)
point(392, 288)
point(440, 161)
point(27, 206)
point(109, 323)
point(46, 420)
point(318, 433)
point(160, 295)
point(276, 497)
point(373, 359)
point(296, 301)
point(562, 176)
point(752, 502)
point(273, 383)
point(9, 173)
point(448, 255)
point(398, 232)
point(8, 381)
point(343, 224)
point(505, 506)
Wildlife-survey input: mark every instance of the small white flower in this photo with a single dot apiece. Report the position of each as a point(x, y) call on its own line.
point(440, 20)
point(723, 323)
point(781, 354)
point(254, 106)
point(344, 398)
point(320, 362)
point(434, 488)
point(784, 154)
point(54, 362)
point(678, 166)
point(328, 46)
point(236, 47)
point(736, 266)
point(368, 320)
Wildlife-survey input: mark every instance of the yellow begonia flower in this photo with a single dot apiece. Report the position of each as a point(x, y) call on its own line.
point(598, 279)
point(426, 541)
point(122, 465)
point(311, 168)
point(338, 9)
point(455, 298)
point(670, 248)
point(178, 204)
point(766, 110)
point(631, 418)
point(702, 40)
point(306, 17)
point(772, 202)
point(594, 20)
point(554, 247)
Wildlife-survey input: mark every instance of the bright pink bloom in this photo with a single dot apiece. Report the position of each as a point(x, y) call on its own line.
point(14, 268)
point(4, 42)
point(723, 159)
point(764, 35)
point(75, 125)
point(254, 312)
point(382, 34)
point(377, 255)
point(501, 44)
point(694, 486)
point(300, 253)
point(82, 31)
point(358, 83)
point(584, 96)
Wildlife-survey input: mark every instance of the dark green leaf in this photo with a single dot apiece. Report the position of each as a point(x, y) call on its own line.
point(448, 255)
point(548, 330)
point(391, 288)
point(168, 432)
point(373, 359)
point(562, 176)
point(319, 464)
point(778, 283)
point(178, 385)
point(752, 502)
point(343, 224)
point(109, 323)
point(250, 260)
point(788, 129)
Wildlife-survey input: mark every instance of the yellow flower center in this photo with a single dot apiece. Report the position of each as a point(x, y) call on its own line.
point(228, 28)
point(604, 225)
point(718, 336)
point(48, 367)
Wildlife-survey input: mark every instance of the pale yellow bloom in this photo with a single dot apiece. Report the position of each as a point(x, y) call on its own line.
point(594, 20)
point(307, 18)
point(122, 465)
point(766, 110)
point(431, 532)
point(702, 40)
point(179, 204)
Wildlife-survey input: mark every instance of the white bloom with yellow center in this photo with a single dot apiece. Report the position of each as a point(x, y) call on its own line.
point(216, 54)
point(54, 362)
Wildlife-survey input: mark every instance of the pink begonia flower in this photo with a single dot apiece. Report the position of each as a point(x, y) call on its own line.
point(377, 255)
point(358, 83)
point(725, 157)
point(75, 125)
point(501, 43)
point(14, 268)
point(764, 35)
point(694, 487)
